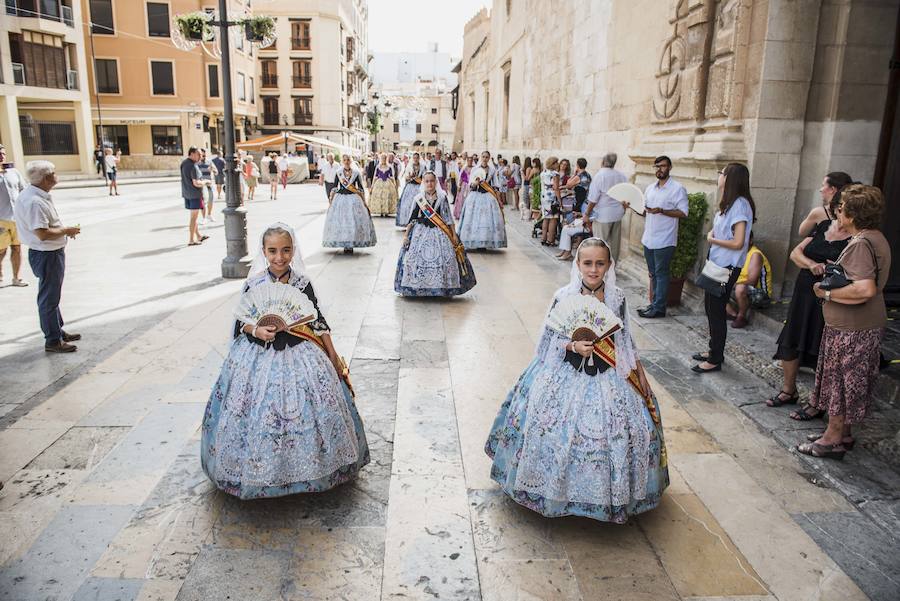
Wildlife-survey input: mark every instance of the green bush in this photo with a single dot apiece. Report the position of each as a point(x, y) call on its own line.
point(689, 231)
point(536, 193)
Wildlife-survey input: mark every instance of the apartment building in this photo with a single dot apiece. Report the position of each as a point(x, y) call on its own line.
point(44, 104)
point(421, 122)
point(313, 80)
point(153, 99)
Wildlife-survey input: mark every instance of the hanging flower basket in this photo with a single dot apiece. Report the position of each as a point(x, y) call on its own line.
point(260, 29)
point(194, 26)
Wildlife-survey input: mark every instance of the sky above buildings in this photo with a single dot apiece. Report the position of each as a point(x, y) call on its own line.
point(410, 26)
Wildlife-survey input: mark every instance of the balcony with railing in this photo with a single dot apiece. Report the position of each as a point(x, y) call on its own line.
point(66, 80)
point(302, 81)
point(269, 80)
point(303, 119)
point(270, 118)
point(51, 10)
point(302, 43)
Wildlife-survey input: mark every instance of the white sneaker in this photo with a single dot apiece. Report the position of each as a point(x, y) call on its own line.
point(211, 218)
point(201, 221)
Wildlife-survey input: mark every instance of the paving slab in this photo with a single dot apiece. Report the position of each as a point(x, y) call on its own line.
point(849, 538)
point(59, 560)
point(109, 589)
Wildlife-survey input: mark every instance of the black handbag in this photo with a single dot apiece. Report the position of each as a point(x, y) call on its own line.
point(714, 279)
point(834, 277)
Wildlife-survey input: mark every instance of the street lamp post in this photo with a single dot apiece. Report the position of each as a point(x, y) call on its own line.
point(236, 263)
point(195, 29)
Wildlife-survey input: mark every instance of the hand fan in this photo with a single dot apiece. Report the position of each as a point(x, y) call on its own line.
point(583, 317)
point(478, 173)
point(626, 192)
point(275, 304)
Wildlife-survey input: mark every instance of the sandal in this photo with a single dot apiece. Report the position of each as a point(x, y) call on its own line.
point(778, 401)
point(848, 441)
point(823, 451)
point(802, 414)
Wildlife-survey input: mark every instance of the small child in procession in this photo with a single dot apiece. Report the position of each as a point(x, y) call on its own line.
point(281, 417)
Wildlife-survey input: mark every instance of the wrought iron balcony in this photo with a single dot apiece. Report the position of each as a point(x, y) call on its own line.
point(303, 119)
point(269, 81)
point(302, 81)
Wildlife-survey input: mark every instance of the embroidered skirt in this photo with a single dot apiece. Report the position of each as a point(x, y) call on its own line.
point(407, 203)
point(846, 373)
point(566, 443)
point(429, 267)
point(481, 224)
point(279, 423)
point(348, 223)
point(383, 200)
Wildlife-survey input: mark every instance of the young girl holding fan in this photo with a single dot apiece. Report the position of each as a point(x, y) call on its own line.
point(580, 433)
point(281, 417)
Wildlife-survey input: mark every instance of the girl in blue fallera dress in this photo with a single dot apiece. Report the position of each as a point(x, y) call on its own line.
point(432, 260)
point(580, 435)
point(412, 178)
point(482, 224)
point(348, 224)
point(280, 419)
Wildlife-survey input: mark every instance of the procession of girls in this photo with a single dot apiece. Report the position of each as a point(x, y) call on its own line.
point(580, 433)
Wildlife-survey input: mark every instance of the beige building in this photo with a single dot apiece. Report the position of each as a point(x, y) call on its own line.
point(792, 88)
point(44, 104)
point(154, 100)
point(429, 122)
point(313, 80)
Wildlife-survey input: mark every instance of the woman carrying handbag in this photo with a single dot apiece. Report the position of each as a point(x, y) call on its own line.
point(728, 243)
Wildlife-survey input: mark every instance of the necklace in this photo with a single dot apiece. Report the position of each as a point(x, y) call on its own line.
point(278, 278)
point(589, 289)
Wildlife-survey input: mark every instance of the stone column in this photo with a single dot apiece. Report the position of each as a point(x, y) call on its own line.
point(84, 132)
point(9, 129)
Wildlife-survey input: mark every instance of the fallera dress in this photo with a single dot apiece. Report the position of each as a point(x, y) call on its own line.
point(481, 222)
point(430, 264)
point(280, 420)
point(383, 200)
point(576, 439)
point(348, 223)
point(462, 192)
point(413, 185)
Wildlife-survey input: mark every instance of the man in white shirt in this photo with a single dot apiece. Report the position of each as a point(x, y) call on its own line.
point(438, 165)
point(327, 172)
point(603, 216)
point(42, 231)
point(283, 170)
point(10, 186)
point(665, 202)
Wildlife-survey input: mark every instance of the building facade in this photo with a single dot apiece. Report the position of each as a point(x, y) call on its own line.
point(314, 80)
point(421, 122)
point(153, 99)
point(794, 89)
point(44, 105)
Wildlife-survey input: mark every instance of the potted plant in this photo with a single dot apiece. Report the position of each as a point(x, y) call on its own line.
point(194, 26)
point(259, 28)
point(689, 231)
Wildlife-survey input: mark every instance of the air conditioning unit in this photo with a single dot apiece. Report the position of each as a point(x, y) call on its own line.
point(18, 74)
point(72, 79)
point(67, 16)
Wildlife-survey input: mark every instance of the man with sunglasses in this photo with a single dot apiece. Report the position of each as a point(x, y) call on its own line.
point(665, 202)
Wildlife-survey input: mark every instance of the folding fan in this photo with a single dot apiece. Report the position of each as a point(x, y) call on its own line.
point(582, 317)
point(628, 192)
point(275, 304)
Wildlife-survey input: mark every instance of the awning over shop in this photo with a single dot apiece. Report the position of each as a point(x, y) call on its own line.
point(328, 144)
point(273, 141)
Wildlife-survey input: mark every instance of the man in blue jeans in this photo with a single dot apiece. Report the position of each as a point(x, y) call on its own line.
point(41, 230)
point(665, 202)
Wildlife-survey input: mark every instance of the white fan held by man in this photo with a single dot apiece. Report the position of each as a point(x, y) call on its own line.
point(277, 305)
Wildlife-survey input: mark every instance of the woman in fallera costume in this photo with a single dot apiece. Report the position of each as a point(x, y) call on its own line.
point(348, 224)
point(412, 178)
point(463, 191)
point(383, 198)
point(432, 260)
point(482, 224)
point(581, 434)
point(280, 419)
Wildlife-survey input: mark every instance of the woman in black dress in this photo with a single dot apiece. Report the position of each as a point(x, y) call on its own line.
point(801, 335)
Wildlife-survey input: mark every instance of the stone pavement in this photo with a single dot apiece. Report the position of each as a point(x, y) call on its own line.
point(105, 498)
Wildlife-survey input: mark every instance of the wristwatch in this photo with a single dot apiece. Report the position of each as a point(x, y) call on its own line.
point(827, 295)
